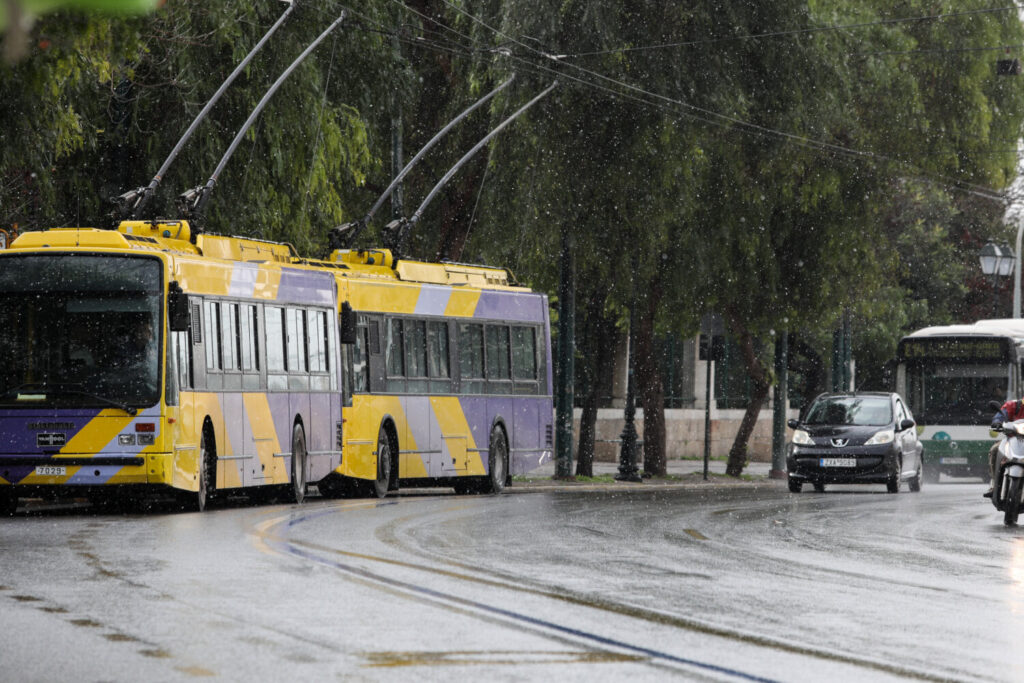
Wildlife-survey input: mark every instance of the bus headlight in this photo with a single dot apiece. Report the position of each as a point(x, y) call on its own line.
point(884, 436)
point(802, 438)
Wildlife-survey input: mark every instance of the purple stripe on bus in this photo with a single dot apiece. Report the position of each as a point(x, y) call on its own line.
point(510, 306)
point(433, 300)
point(19, 428)
point(306, 287)
point(243, 280)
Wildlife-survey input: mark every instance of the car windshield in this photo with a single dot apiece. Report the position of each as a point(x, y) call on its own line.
point(79, 330)
point(851, 410)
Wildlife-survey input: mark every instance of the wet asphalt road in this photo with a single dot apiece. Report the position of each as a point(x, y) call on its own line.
point(738, 583)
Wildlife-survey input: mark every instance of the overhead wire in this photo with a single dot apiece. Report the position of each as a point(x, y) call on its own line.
point(778, 34)
point(824, 146)
point(660, 101)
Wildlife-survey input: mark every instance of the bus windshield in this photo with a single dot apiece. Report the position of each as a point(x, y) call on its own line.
point(79, 330)
point(943, 392)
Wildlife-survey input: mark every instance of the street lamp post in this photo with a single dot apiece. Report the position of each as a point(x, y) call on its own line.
point(999, 261)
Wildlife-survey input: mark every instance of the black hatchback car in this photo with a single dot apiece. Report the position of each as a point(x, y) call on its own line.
point(858, 438)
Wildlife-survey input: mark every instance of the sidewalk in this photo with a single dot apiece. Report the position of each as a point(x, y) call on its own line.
point(681, 473)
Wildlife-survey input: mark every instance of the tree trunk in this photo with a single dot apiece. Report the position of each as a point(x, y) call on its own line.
point(649, 388)
point(759, 391)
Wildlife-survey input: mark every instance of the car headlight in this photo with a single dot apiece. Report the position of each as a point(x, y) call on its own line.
point(884, 436)
point(802, 438)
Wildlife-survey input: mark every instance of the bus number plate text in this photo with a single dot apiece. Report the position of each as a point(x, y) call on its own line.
point(51, 470)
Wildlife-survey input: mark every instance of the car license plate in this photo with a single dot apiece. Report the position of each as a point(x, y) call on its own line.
point(953, 461)
point(838, 462)
point(51, 470)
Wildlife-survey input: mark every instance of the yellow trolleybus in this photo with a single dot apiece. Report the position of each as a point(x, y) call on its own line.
point(147, 360)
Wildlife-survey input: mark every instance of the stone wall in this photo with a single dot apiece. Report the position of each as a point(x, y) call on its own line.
point(684, 433)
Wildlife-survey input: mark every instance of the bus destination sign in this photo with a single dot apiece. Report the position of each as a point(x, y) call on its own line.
point(959, 348)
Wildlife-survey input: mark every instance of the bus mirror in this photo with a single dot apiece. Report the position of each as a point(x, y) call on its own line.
point(347, 324)
point(177, 308)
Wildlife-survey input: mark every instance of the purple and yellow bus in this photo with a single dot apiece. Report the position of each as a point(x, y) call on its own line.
point(144, 360)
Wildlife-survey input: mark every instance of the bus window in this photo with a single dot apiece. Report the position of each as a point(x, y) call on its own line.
point(229, 335)
point(414, 340)
point(394, 356)
point(524, 360)
point(295, 340)
point(212, 335)
point(274, 339)
point(317, 327)
point(498, 353)
point(250, 358)
point(184, 359)
point(471, 357)
point(360, 360)
point(437, 356)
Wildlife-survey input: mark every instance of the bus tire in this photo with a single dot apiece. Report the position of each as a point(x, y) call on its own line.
point(378, 488)
point(297, 488)
point(199, 500)
point(497, 462)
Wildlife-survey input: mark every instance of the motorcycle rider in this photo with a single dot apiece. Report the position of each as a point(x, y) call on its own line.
point(1010, 411)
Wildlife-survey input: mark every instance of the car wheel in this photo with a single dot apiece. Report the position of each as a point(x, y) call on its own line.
point(819, 486)
point(915, 483)
point(895, 478)
point(795, 486)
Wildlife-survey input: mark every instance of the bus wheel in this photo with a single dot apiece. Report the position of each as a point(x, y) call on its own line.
point(8, 504)
point(198, 501)
point(297, 492)
point(497, 462)
point(379, 487)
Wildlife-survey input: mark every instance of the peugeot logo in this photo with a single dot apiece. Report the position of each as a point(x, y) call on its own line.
point(839, 443)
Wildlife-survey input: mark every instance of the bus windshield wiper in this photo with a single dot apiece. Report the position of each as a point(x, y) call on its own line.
point(60, 388)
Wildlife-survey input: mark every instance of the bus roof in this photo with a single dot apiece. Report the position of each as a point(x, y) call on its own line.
point(999, 327)
point(174, 237)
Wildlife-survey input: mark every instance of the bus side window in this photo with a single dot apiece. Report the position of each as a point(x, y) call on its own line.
point(173, 375)
point(437, 357)
point(295, 340)
point(183, 350)
point(498, 362)
point(360, 358)
point(394, 355)
point(524, 360)
point(212, 325)
point(471, 357)
point(274, 322)
point(229, 335)
point(250, 357)
point(414, 341)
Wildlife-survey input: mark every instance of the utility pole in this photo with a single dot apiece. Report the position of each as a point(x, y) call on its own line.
point(566, 354)
point(778, 470)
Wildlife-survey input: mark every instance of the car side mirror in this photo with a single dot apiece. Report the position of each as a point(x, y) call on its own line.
point(995, 405)
point(906, 424)
point(793, 424)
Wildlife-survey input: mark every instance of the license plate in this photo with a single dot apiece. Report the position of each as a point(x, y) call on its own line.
point(953, 461)
point(51, 470)
point(838, 462)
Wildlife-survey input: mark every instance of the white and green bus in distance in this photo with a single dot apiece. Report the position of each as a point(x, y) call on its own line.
point(949, 375)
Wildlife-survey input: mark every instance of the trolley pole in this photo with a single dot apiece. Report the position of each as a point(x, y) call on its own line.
point(566, 353)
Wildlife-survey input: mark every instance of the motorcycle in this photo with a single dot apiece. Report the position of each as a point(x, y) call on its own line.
point(1008, 487)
